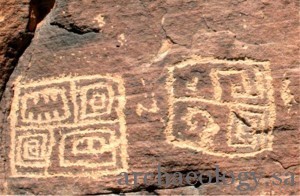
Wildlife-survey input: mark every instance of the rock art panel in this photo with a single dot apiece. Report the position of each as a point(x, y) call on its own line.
point(221, 107)
point(71, 126)
point(202, 79)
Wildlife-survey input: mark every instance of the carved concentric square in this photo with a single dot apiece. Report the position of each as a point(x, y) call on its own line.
point(70, 126)
point(33, 148)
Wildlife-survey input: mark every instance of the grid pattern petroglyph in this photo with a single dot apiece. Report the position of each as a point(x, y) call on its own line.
point(68, 126)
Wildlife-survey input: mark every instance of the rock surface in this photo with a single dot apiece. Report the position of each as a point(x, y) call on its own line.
point(106, 87)
point(13, 36)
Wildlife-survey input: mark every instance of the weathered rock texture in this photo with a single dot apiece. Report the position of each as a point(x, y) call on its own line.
point(18, 22)
point(106, 87)
point(14, 36)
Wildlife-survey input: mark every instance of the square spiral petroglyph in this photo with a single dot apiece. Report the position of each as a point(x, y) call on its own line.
point(88, 147)
point(68, 126)
point(33, 148)
point(221, 107)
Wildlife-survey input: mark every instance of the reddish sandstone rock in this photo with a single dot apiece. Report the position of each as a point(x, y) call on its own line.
point(107, 87)
point(13, 36)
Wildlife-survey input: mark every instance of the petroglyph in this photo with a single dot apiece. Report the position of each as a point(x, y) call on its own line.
point(48, 99)
point(97, 100)
point(92, 145)
point(286, 95)
point(193, 84)
point(100, 20)
point(153, 109)
point(70, 126)
point(89, 143)
point(209, 127)
point(212, 100)
point(33, 148)
point(121, 39)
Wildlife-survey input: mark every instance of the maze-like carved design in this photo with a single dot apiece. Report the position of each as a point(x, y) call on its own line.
point(69, 126)
point(221, 107)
